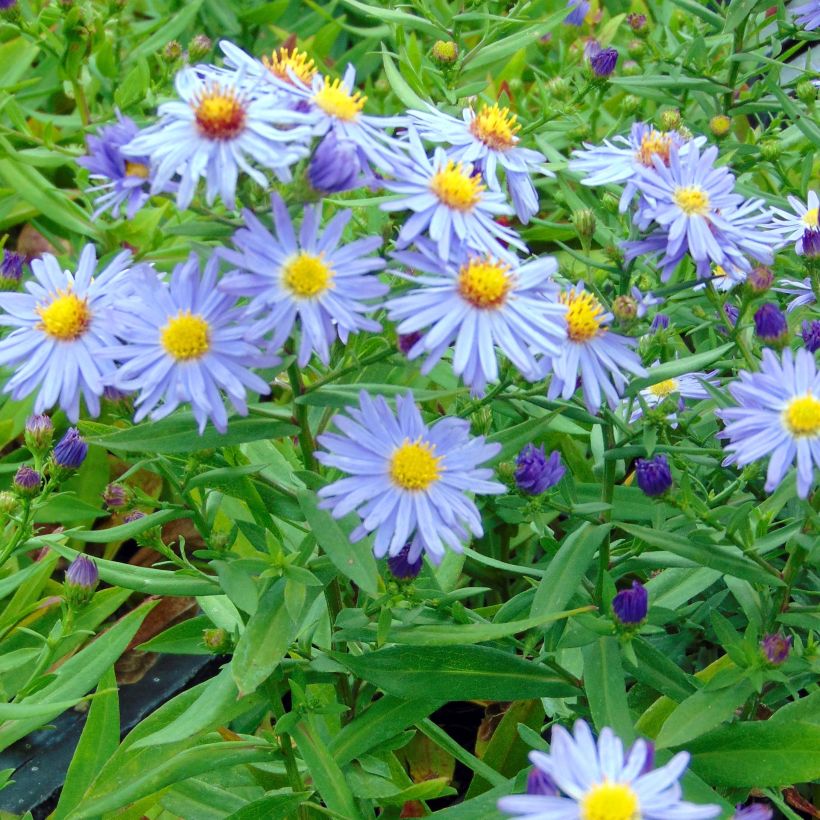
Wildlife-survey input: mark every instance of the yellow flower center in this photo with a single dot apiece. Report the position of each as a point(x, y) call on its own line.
point(811, 219)
point(334, 99)
point(413, 465)
point(692, 200)
point(719, 270)
point(802, 416)
point(664, 388)
point(456, 188)
point(610, 801)
point(66, 317)
point(496, 127)
point(136, 169)
point(584, 315)
point(284, 63)
point(307, 276)
point(219, 114)
point(186, 336)
point(654, 143)
point(484, 282)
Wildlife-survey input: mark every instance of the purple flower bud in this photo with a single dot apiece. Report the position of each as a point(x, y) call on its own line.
point(11, 270)
point(115, 496)
point(603, 63)
point(776, 647)
point(133, 516)
point(335, 165)
point(760, 279)
point(637, 22)
point(810, 243)
point(579, 10)
point(653, 474)
point(630, 605)
point(401, 567)
point(541, 783)
point(81, 578)
point(756, 811)
point(39, 433)
point(811, 335)
point(71, 450)
point(407, 341)
point(27, 481)
point(536, 473)
point(770, 323)
point(660, 322)
point(732, 313)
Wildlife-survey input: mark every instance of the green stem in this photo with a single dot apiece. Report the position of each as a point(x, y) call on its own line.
point(300, 411)
point(286, 746)
point(335, 604)
point(607, 494)
point(337, 374)
point(82, 102)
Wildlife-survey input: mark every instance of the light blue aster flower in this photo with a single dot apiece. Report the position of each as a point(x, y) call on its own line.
point(685, 386)
point(792, 226)
point(778, 415)
point(800, 290)
point(213, 132)
point(807, 14)
point(592, 778)
point(311, 278)
point(591, 351)
point(185, 343)
point(478, 303)
point(487, 139)
point(450, 203)
point(408, 482)
point(60, 327)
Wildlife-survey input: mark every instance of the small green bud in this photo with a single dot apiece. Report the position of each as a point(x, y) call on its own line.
point(631, 69)
point(670, 119)
point(806, 92)
point(172, 50)
point(625, 309)
point(770, 150)
point(630, 104)
point(217, 640)
point(198, 47)
point(8, 503)
point(444, 52)
point(636, 49)
point(610, 202)
point(558, 87)
point(584, 221)
point(720, 125)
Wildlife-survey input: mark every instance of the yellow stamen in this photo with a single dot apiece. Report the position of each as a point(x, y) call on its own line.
point(610, 801)
point(664, 388)
point(456, 188)
point(802, 416)
point(66, 317)
point(306, 276)
point(136, 169)
point(496, 127)
point(584, 315)
point(186, 336)
point(413, 465)
point(718, 271)
point(811, 219)
point(219, 113)
point(284, 63)
point(334, 99)
point(485, 282)
point(654, 144)
point(692, 200)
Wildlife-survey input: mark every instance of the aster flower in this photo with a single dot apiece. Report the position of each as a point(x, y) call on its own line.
point(186, 342)
point(724, 279)
point(60, 326)
point(488, 139)
point(800, 289)
point(653, 475)
point(790, 226)
point(807, 14)
point(685, 386)
point(123, 181)
point(407, 481)
point(578, 12)
point(617, 161)
point(591, 351)
point(479, 303)
point(597, 779)
point(212, 131)
point(534, 472)
point(311, 278)
point(450, 202)
point(334, 166)
point(778, 415)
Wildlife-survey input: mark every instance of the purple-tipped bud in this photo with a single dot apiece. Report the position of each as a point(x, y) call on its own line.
point(535, 473)
point(133, 516)
point(757, 811)
point(776, 647)
point(27, 481)
point(811, 335)
point(71, 450)
point(660, 322)
point(81, 579)
point(760, 279)
point(770, 324)
point(39, 433)
point(199, 46)
point(541, 783)
point(731, 313)
point(407, 341)
point(11, 270)
point(810, 243)
point(603, 62)
point(335, 165)
point(630, 605)
point(653, 474)
point(401, 567)
point(115, 496)
point(637, 22)
point(579, 11)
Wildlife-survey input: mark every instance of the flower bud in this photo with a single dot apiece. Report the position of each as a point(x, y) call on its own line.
point(811, 335)
point(660, 322)
point(810, 243)
point(407, 341)
point(401, 567)
point(610, 203)
point(535, 473)
point(38, 434)
point(624, 308)
point(198, 47)
point(558, 87)
point(776, 648)
point(636, 49)
point(806, 92)
point(81, 579)
point(172, 51)
point(116, 496)
point(770, 150)
point(9, 10)
point(27, 482)
point(603, 62)
point(577, 14)
point(133, 516)
point(11, 270)
point(444, 52)
point(759, 279)
point(670, 119)
point(653, 475)
point(584, 221)
point(771, 326)
point(630, 104)
point(631, 605)
point(71, 450)
point(720, 125)
point(334, 166)
point(8, 502)
point(637, 22)
point(217, 640)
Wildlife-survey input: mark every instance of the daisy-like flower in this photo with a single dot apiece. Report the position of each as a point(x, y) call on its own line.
point(685, 386)
point(488, 139)
point(599, 781)
point(124, 180)
point(407, 481)
point(311, 278)
point(800, 290)
point(186, 343)
point(213, 132)
point(480, 303)
point(807, 14)
point(617, 161)
point(450, 202)
point(61, 325)
point(285, 67)
point(778, 415)
point(591, 351)
point(791, 226)
point(724, 279)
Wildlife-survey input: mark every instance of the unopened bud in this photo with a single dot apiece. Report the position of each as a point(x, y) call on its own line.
point(39, 433)
point(81, 579)
point(670, 119)
point(760, 279)
point(8, 502)
point(624, 308)
point(172, 50)
point(630, 104)
point(584, 221)
point(806, 92)
point(770, 150)
point(636, 49)
point(720, 125)
point(198, 47)
point(217, 640)
point(610, 202)
point(27, 482)
point(444, 52)
point(116, 496)
point(558, 87)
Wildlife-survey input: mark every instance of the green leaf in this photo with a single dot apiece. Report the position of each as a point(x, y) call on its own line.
point(399, 85)
point(177, 24)
point(180, 639)
point(458, 673)
point(280, 803)
point(758, 754)
point(397, 17)
point(125, 531)
point(655, 669)
point(98, 741)
point(355, 561)
point(678, 367)
point(604, 687)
